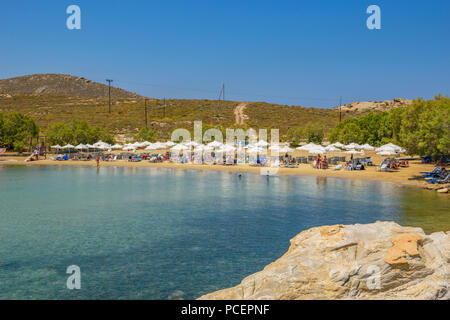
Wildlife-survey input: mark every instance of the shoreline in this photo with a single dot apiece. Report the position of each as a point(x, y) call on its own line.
point(404, 176)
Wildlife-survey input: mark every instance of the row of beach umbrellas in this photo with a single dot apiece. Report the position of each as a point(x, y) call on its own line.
point(258, 147)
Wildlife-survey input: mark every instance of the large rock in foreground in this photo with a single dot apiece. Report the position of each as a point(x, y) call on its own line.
point(382, 260)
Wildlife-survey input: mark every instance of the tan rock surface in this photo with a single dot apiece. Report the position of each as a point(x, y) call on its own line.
point(382, 260)
point(366, 106)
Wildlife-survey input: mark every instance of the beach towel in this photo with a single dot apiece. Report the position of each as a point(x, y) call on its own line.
point(2, 150)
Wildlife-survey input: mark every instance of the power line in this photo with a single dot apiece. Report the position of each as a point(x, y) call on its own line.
point(246, 95)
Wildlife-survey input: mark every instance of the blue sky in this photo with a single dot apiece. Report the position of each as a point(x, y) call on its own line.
point(297, 52)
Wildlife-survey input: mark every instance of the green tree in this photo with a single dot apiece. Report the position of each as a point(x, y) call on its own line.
point(295, 136)
point(146, 134)
point(16, 130)
point(77, 132)
point(422, 127)
point(347, 131)
point(314, 133)
point(425, 127)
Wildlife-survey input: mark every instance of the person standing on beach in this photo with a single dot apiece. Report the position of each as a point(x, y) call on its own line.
point(98, 161)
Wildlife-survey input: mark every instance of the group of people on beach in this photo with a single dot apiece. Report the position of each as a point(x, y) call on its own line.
point(321, 163)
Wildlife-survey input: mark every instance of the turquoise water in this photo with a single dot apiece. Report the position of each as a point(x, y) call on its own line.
point(153, 233)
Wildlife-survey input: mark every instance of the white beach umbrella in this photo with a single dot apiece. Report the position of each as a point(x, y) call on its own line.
point(227, 148)
point(68, 146)
point(116, 147)
point(159, 145)
point(80, 147)
point(137, 145)
point(262, 143)
point(170, 143)
point(215, 144)
point(200, 148)
point(386, 148)
point(275, 147)
point(129, 147)
point(317, 151)
point(331, 148)
point(285, 150)
point(337, 144)
point(255, 150)
point(367, 147)
point(352, 145)
point(387, 153)
point(153, 146)
point(56, 147)
point(390, 146)
point(192, 144)
point(311, 146)
point(100, 144)
point(180, 147)
point(353, 152)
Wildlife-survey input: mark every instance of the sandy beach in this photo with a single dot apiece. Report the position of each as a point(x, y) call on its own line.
point(409, 176)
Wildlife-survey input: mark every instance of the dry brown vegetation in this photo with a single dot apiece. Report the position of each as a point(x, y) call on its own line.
point(49, 99)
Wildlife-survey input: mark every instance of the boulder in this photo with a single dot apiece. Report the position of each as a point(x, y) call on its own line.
point(444, 190)
point(382, 260)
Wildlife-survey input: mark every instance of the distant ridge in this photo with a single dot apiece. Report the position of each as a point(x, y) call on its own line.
point(61, 84)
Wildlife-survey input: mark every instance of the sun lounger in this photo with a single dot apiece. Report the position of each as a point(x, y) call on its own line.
point(445, 180)
point(338, 167)
point(432, 172)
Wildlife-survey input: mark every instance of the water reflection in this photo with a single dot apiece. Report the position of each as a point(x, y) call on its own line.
point(416, 210)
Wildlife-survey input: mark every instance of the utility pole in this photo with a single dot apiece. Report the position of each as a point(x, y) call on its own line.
point(146, 123)
point(164, 107)
point(340, 105)
point(222, 92)
point(109, 93)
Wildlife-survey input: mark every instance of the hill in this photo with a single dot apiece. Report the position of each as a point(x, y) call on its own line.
point(128, 114)
point(62, 84)
point(52, 98)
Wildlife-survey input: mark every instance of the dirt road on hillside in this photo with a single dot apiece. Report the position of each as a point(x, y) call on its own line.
point(239, 113)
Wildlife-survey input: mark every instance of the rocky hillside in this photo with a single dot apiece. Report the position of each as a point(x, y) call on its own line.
point(368, 106)
point(382, 260)
point(60, 84)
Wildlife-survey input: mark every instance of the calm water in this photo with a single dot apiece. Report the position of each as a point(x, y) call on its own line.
point(160, 233)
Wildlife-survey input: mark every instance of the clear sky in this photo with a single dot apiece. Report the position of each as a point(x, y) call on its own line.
point(292, 52)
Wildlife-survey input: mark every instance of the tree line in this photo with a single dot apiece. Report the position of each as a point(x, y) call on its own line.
point(422, 128)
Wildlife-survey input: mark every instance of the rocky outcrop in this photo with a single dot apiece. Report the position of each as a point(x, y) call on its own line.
point(382, 260)
point(366, 106)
